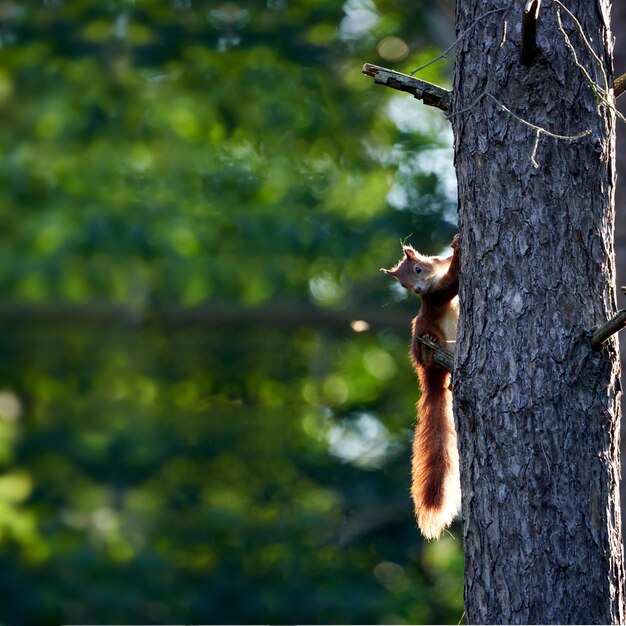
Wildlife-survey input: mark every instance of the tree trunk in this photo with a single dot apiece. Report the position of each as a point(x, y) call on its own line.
point(537, 409)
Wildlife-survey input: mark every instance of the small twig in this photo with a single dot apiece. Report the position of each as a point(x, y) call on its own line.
point(597, 90)
point(586, 41)
point(471, 107)
point(614, 325)
point(440, 355)
point(601, 94)
point(539, 129)
point(456, 41)
point(505, 25)
point(533, 154)
point(429, 94)
point(528, 44)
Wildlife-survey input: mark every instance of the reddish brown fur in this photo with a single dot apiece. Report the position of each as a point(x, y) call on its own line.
point(435, 481)
point(435, 459)
point(427, 444)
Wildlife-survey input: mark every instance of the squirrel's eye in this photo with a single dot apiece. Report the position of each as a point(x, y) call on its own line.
point(418, 269)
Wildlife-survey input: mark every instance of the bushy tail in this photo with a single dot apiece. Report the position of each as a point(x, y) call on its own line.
point(435, 488)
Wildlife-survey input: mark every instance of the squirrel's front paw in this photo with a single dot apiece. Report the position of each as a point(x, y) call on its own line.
point(456, 242)
point(428, 353)
point(430, 337)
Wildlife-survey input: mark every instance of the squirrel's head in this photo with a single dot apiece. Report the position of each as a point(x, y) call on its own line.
point(414, 272)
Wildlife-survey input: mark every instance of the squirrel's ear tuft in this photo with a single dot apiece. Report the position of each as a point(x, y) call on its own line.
point(409, 253)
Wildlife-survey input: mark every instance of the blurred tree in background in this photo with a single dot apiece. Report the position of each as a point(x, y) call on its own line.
point(206, 403)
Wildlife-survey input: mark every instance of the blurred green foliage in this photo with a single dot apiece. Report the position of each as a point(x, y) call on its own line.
point(195, 200)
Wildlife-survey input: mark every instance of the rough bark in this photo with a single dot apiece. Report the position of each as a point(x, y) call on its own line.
point(618, 19)
point(537, 409)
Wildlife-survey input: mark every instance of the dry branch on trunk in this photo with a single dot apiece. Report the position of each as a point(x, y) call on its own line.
point(614, 325)
point(429, 94)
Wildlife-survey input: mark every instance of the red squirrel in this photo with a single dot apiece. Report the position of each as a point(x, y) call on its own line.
point(435, 484)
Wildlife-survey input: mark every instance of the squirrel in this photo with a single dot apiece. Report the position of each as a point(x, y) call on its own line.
point(435, 487)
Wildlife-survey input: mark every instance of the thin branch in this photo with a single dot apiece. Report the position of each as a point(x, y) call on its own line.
point(596, 89)
point(601, 94)
point(428, 93)
point(539, 129)
point(533, 154)
point(505, 25)
point(441, 356)
point(456, 41)
point(614, 325)
point(471, 107)
point(586, 41)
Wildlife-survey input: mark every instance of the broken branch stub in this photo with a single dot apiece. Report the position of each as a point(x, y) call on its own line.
point(428, 93)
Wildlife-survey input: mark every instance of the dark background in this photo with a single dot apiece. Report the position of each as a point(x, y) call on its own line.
point(195, 200)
